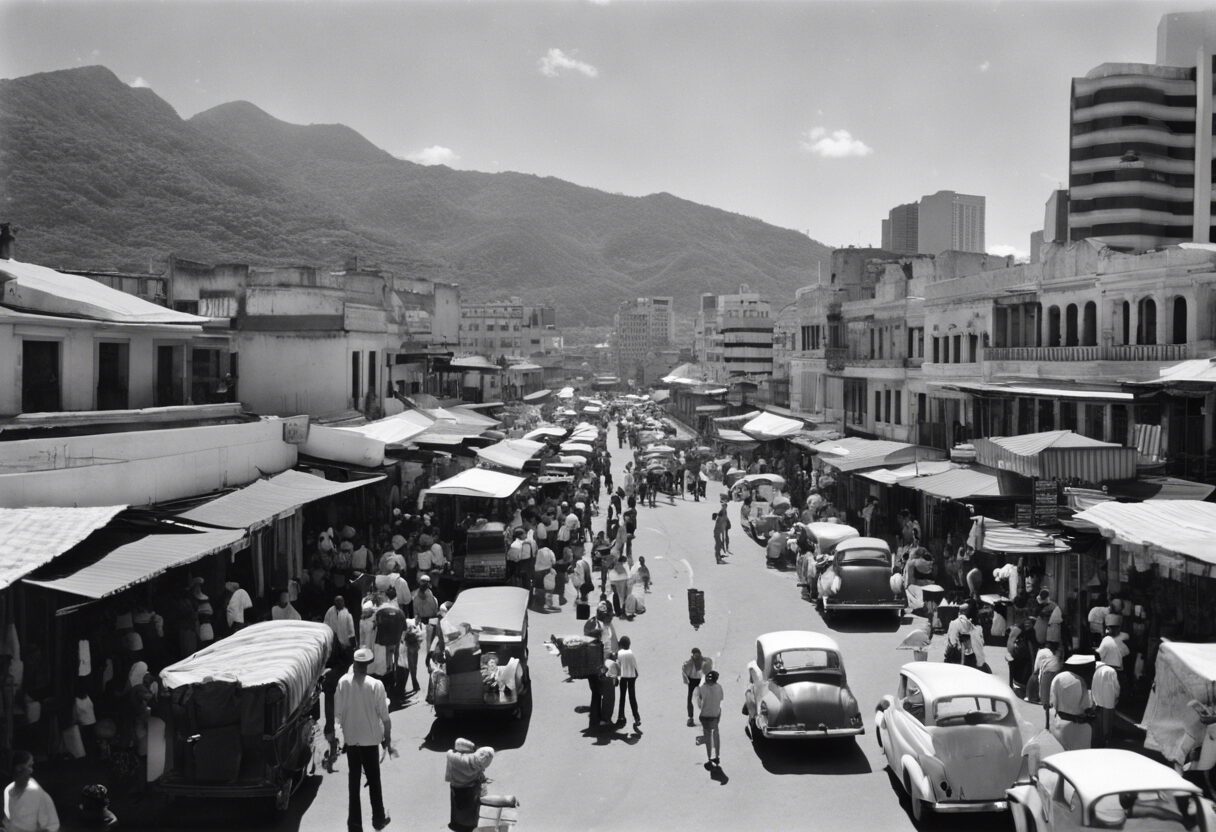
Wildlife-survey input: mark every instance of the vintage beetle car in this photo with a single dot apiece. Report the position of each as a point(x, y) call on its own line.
point(859, 578)
point(797, 689)
point(951, 737)
point(1108, 788)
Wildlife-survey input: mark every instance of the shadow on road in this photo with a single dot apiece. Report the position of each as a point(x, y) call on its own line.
point(499, 731)
point(864, 621)
point(824, 756)
point(966, 822)
point(606, 736)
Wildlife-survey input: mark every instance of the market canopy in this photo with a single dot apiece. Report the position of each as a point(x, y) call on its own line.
point(474, 362)
point(1197, 372)
point(968, 483)
point(734, 437)
point(890, 476)
point(1058, 454)
point(545, 430)
point(394, 430)
point(537, 396)
point(660, 396)
point(262, 502)
point(739, 418)
point(853, 453)
point(462, 416)
point(511, 453)
point(566, 393)
point(577, 447)
point(1178, 527)
point(479, 482)
point(988, 535)
point(33, 537)
point(767, 426)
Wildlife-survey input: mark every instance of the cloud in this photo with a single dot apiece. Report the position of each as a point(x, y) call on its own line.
point(838, 144)
point(139, 82)
point(600, 2)
point(985, 66)
point(555, 60)
point(436, 154)
point(1004, 251)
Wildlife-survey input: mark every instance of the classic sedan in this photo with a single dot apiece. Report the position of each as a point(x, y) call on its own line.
point(951, 738)
point(1108, 788)
point(860, 578)
point(797, 689)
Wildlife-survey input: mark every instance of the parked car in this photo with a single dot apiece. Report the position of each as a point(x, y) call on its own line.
point(825, 537)
point(951, 737)
point(859, 578)
point(1108, 788)
point(797, 689)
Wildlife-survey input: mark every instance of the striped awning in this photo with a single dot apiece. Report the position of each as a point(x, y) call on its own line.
point(33, 537)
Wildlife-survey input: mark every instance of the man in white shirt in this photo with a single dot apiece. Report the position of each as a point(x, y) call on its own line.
point(338, 619)
point(1071, 703)
point(361, 708)
point(545, 558)
point(284, 611)
point(238, 602)
point(27, 808)
point(1105, 691)
point(629, 678)
point(1112, 649)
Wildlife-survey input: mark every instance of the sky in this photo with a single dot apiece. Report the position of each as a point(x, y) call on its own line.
point(816, 116)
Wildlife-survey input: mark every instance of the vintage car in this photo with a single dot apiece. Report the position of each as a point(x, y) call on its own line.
point(1108, 788)
point(951, 737)
point(824, 537)
point(859, 578)
point(797, 689)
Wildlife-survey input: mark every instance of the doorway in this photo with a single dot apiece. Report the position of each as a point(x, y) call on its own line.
point(113, 375)
point(40, 379)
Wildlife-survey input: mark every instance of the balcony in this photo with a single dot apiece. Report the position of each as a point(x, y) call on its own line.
point(1124, 352)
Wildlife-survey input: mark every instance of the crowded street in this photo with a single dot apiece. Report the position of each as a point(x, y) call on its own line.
point(566, 778)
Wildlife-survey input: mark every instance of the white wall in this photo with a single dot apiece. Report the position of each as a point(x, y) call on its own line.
point(140, 467)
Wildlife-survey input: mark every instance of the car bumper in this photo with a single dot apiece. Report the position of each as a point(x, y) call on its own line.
point(948, 807)
point(864, 605)
point(809, 734)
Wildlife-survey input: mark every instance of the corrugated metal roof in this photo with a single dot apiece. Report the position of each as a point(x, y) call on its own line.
point(146, 558)
point(33, 537)
point(1032, 443)
point(854, 453)
point(965, 483)
point(1183, 527)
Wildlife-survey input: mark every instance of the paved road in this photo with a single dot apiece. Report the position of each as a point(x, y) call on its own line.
point(655, 779)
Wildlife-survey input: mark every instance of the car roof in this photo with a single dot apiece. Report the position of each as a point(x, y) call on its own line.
point(941, 679)
point(863, 543)
point(831, 531)
point(1101, 771)
point(780, 640)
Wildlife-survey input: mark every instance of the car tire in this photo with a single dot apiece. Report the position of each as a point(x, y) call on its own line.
point(920, 808)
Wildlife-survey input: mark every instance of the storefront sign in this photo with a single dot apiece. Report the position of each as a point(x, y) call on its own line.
point(1046, 502)
point(295, 430)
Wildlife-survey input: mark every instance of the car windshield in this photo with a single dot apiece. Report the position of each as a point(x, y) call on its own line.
point(805, 660)
point(1167, 811)
point(971, 710)
point(866, 556)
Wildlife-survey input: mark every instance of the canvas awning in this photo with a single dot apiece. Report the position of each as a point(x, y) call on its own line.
point(854, 453)
point(566, 393)
point(660, 396)
point(734, 437)
point(33, 537)
point(260, 503)
point(1161, 527)
point(537, 396)
point(479, 482)
point(1161, 488)
point(738, 419)
point(968, 484)
point(769, 426)
point(394, 430)
point(576, 447)
point(928, 468)
point(1058, 454)
point(707, 391)
point(545, 430)
point(710, 408)
point(1062, 391)
point(142, 560)
point(511, 453)
point(461, 416)
point(988, 535)
point(1197, 372)
point(525, 367)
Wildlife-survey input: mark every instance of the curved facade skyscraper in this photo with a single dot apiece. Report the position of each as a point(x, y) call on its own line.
point(1140, 155)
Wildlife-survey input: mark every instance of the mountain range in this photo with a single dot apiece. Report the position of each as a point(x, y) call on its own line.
point(95, 173)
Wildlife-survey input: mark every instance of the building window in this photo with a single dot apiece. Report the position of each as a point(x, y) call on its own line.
point(1053, 326)
point(1070, 326)
point(40, 377)
point(936, 350)
point(1089, 325)
point(887, 406)
point(371, 371)
point(1179, 321)
point(877, 405)
point(957, 349)
point(356, 376)
point(170, 375)
point(1146, 322)
point(899, 407)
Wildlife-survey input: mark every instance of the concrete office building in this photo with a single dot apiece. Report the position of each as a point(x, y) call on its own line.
point(900, 229)
point(643, 327)
point(735, 333)
point(949, 221)
point(507, 329)
point(1140, 160)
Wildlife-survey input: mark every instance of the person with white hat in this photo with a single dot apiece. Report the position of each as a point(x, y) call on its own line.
point(1071, 702)
point(362, 710)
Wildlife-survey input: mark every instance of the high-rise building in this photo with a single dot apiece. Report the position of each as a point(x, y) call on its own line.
point(949, 221)
point(642, 326)
point(1141, 137)
point(900, 229)
point(510, 328)
point(737, 331)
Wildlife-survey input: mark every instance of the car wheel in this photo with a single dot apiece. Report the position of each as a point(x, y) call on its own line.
point(920, 808)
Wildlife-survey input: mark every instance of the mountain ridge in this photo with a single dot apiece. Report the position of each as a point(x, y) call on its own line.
point(94, 171)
